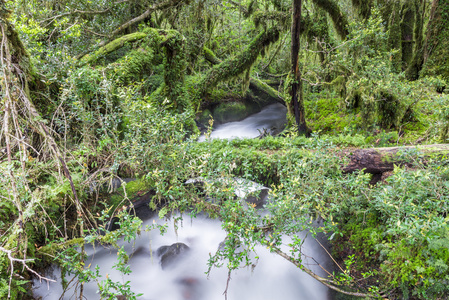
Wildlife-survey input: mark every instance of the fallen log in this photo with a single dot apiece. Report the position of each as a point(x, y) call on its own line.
point(381, 160)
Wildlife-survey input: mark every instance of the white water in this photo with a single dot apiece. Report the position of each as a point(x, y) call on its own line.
point(272, 278)
point(271, 116)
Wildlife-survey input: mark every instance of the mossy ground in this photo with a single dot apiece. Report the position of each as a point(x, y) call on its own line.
point(327, 114)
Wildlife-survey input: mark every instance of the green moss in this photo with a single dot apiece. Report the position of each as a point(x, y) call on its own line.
point(394, 37)
point(55, 248)
point(338, 17)
point(264, 18)
point(265, 93)
point(133, 189)
point(204, 117)
point(235, 66)
point(436, 50)
point(174, 70)
point(407, 25)
point(229, 112)
point(329, 116)
point(363, 7)
point(210, 56)
point(112, 46)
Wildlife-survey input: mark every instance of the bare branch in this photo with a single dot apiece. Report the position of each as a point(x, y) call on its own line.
point(80, 12)
point(324, 281)
point(24, 263)
point(225, 293)
point(159, 6)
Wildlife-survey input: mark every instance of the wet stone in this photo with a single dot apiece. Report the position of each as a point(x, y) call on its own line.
point(171, 254)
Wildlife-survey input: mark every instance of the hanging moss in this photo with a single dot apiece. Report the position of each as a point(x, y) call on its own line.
point(139, 62)
point(196, 33)
point(266, 18)
point(316, 29)
point(174, 70)
point(363, 7)
point(281, 5)
point(338, 17)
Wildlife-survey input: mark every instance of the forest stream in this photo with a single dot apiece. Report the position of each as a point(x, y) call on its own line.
point(182, 276)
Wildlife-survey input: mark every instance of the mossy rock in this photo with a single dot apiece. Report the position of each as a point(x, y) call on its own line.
point(133, 189)
point(204, 117)
point(230, 112)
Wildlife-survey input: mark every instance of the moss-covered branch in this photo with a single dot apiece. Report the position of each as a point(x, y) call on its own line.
point(263, 18)
point(112, 46)
point(338, 17)
point(210, 56)
point(235, 66)
point(257, 85)
point(261, 88)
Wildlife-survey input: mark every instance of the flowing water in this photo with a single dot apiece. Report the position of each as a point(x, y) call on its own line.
point(272, 117)
point(271, 277)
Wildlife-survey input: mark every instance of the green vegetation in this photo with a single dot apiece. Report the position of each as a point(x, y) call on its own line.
point(98, 91)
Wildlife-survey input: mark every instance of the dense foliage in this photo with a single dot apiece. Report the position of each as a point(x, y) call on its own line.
point(98, 91)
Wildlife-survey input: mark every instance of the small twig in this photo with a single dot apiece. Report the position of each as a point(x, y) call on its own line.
point(96, 33)
point(25, 143)
point(225, 293)
point(324, 281)
point(24, 263)
point(341, 269)
point(80, 12)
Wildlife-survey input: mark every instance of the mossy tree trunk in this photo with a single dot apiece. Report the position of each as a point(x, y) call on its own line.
point(235, 66)
point(417, 61)
point(255, 84)
point(174, 70)
point(377, 161)
point(169, 41)
point(18, 115)
point(296, 104)
point(407, 26)
point(339, 19)
point(394, 38)
point(436, 50)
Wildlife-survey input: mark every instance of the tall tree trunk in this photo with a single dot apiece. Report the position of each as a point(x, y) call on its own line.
point(407, 26)
point(296, 85)
point(415, 65)
point(393, 16)
point(435, 47)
